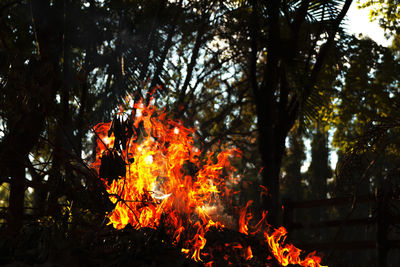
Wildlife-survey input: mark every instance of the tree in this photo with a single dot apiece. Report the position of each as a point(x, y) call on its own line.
point(292, 178)
point(35, 93)
point(284, 64)
point(319, 171)
point(366, 136)
point(370, 83)
point(387, 12)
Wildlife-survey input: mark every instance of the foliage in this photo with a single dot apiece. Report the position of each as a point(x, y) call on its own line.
point(387, 12)
point(369, 98)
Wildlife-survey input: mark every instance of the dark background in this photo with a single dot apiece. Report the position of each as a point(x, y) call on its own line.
point(263, 76)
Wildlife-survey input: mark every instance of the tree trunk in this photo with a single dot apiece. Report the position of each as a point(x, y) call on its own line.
point(271, 138)
point(40, 192)
point(15, 149)
point(292, 162)
point(16, 200)
point(64, 138)
point(319, 170)
point(272, 147)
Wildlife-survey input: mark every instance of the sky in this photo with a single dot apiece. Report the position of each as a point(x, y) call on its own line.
point(358, 22)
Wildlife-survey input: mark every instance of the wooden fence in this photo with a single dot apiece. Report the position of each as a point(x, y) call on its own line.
point(382, 219)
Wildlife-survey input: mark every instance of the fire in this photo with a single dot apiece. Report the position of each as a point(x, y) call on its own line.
point(244, 218)
point(155, 174)
point(288, 254)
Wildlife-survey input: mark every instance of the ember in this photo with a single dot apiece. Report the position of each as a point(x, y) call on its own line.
point(157, 177)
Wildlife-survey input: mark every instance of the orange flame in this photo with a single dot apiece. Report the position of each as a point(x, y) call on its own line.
point(168, 180)
point(160, 180)
point(244, 218)
point(289, 254)
point(249, 253)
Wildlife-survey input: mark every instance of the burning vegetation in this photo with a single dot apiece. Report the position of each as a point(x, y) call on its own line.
point(159, 179)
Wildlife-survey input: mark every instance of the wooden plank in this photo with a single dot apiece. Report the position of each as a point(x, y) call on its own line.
point(340, 245)
point(346, 245)
point(333, 223)
point(332, 202)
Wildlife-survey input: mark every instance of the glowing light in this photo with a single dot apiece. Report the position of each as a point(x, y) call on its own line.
point(149, 159)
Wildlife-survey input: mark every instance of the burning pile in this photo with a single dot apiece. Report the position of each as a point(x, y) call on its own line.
point(158, 178)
